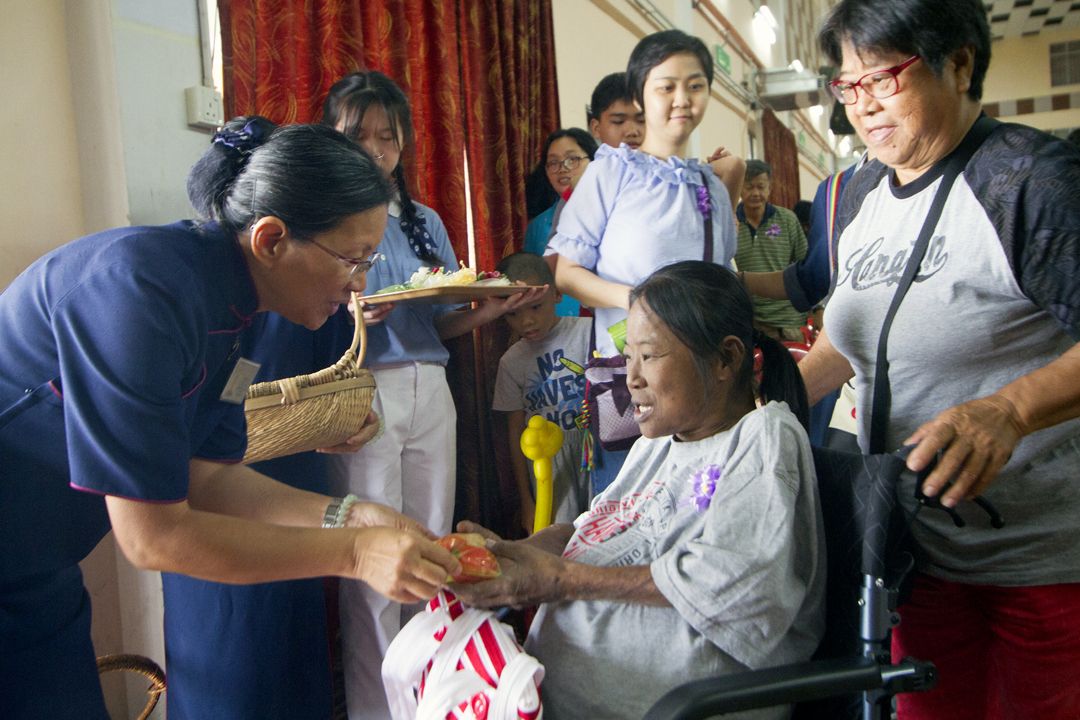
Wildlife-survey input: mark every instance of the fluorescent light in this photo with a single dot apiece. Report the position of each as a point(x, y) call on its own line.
point(766, 13)
point(762, 27)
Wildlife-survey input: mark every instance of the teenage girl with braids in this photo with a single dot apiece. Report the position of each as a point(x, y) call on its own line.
point(412, 465)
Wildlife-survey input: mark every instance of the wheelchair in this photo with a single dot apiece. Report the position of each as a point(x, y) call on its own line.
point(852, 674)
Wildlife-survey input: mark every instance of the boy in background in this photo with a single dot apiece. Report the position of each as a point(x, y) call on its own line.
point(543, 373)
point(613, 118)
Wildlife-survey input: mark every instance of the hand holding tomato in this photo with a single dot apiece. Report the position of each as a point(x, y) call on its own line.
point(477, 562)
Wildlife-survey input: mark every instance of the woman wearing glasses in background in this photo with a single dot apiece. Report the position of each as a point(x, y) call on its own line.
point(121, 396)
point(983, 365)
point(567, 153)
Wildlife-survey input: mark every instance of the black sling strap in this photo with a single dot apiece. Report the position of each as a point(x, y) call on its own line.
point(882, 400)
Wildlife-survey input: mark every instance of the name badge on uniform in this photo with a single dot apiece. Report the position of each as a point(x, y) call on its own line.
point(236, 388)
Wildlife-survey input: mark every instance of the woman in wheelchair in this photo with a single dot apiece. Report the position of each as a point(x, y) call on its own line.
point(705, 556)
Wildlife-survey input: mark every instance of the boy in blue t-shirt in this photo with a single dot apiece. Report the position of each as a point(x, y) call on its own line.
point(543, 373)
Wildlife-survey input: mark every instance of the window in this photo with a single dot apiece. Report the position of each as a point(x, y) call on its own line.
point(1065, 63)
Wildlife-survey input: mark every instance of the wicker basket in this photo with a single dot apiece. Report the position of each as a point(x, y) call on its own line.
point(143, 666)
point(306, 412)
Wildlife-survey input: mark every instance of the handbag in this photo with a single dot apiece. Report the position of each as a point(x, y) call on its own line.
point(306, 412)
point(451, 662)
point(607, 399)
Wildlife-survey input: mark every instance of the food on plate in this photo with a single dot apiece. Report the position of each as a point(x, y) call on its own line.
point(432, 277)
point(491, 277)
point(477, 562)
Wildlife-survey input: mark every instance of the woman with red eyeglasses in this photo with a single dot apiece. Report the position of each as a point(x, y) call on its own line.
point(983, 370)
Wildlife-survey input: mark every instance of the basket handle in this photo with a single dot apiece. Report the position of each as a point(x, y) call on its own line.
point(359, 340)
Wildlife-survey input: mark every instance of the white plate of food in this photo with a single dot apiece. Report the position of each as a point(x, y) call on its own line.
point(436, 285)
point(447, 294)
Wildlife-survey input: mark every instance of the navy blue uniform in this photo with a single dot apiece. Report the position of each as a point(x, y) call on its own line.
point(114, 350)
point(258, 651)
point(807, 282)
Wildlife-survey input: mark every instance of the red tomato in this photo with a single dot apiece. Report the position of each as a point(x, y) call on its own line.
point(477, 562)
point(456, 542)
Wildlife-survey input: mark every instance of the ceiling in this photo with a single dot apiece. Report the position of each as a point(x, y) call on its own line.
point(1016, 18)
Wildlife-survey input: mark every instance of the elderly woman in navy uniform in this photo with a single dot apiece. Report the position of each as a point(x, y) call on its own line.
point(120, 404)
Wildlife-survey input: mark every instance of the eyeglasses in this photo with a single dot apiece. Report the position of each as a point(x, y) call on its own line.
point(357, 266)
point(879, 84)
point(570, 163)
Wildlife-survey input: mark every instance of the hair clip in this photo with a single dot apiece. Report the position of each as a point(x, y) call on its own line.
point(244, 140)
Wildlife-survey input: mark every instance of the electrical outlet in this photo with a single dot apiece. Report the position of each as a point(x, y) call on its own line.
point(204, 108)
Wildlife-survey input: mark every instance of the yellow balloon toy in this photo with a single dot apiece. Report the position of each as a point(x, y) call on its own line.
point(540, 441)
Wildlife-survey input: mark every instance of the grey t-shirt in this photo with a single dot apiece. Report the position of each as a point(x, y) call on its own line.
point(744, 571)
point(997, 297)
point(546, 377)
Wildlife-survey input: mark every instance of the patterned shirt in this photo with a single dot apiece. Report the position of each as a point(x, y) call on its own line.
point(996, 297)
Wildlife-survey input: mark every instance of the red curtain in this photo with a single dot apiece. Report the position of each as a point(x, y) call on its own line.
point(511, 104)
point(480, 76)
point(782, 153)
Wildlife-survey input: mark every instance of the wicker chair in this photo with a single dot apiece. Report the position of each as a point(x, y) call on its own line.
point(141, 665)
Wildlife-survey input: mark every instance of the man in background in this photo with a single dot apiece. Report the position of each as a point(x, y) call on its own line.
point(770, 239)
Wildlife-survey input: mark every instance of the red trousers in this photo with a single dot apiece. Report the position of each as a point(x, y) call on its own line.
point(1002, 653)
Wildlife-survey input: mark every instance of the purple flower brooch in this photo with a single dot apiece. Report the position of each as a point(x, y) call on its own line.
point(705, 486)
point(703, 204)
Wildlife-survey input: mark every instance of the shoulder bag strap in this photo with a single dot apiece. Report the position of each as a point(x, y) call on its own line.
point(708, 254)
point(832, 202)
point(882, 401)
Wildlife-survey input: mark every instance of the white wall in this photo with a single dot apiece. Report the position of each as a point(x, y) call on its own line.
point(157, 56)
point(95, 101)
point(96, 137)
point(1020, 68)
point(40, 188)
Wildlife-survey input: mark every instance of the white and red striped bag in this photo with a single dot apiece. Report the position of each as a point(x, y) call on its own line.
point(452, 662)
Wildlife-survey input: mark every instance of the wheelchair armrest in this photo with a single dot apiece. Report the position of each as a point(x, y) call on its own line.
point(782, 685)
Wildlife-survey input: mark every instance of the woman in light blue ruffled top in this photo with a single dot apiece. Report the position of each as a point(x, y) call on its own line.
point(635, 211)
